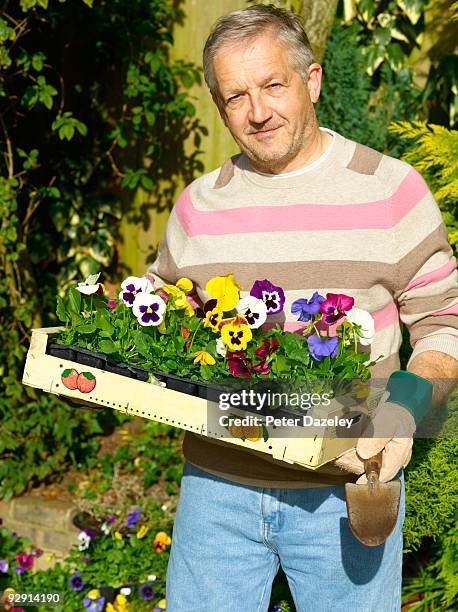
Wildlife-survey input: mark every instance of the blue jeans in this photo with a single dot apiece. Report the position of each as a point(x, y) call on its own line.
point(229, 540)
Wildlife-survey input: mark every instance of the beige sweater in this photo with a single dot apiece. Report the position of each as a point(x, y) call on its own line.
point(355, 222)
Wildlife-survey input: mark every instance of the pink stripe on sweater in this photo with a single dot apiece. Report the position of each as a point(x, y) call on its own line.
point(380, 214)
point(446, 311)
point(434, 276)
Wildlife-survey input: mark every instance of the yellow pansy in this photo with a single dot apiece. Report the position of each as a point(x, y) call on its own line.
point(184, 284)
point(213, 318)
point(161, 541)
point(179, 299)
point(204, 357)
point(94, 594)
point(141, 533)
point(118, 535)
point(236, 334)
point(162, 604)
point(225, 290)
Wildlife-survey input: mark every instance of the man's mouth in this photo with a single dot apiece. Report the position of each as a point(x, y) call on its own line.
point(264, 133)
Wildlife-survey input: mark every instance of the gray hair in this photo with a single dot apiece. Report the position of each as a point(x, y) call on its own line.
point(249, 23)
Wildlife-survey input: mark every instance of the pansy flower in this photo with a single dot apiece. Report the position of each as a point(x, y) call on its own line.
point(323, 347)
point(132, 518)
point(225, 290)
point(306, 308)
point(161, 606)
point(94, 602)
point(148, 308)
point(335, 307)
point(212, 314)
point(132, 286)
point(161, 541)
point(221, 348)
point(178, 300)
point(238, 364)
point(204, 357)
point(185, 285)
point(236, 333)
point(147, 592)
point(141, 533)
point(76, 582)
point(25, 560)
point(4, 566)
point(363, 325)
point(253, 310)
point(263, 352)
point(272, 296)
point(84, 540)
point(90, 285)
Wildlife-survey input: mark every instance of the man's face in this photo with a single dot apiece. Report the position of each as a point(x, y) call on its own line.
point(265, 104)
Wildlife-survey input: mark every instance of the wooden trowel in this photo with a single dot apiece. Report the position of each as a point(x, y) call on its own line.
point(373, 507)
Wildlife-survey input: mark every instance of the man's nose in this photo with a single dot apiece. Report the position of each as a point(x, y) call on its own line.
point(259, 111)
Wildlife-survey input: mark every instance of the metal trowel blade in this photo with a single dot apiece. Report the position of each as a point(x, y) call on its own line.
point(373, 511)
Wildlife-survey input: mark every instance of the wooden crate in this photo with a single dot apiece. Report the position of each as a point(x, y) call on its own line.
point(319, 445)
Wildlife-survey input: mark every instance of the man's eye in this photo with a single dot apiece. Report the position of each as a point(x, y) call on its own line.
point(234, 98)
point(275, 85)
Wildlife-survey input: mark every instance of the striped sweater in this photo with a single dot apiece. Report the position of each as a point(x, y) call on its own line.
point(354, 221)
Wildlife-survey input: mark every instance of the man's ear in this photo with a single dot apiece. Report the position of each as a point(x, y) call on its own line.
point(221, 112)
point(314, 82)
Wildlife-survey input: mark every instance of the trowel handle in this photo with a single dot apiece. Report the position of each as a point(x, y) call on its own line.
point(372, 467)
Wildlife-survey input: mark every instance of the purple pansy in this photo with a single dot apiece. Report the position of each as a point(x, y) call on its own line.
point(323, 347)
point(85, 560)
point(94, 605)
point(19, 570)
point(306, 308)
point(272, 296)
point(110, 520)
point(335, 306)
point(146, 591)
point(238, 364)
point(76, 582)
point(132, 286)
point(132, 518)
point(3, 566)
point(148, 308)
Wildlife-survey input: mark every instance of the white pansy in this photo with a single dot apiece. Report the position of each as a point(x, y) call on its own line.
point(132, 286)
point(152, 578)
point(253, 309)
point(148, 308)
point(221, 348)
point(90, 285)
point(84, 540)
point(365, 321)
point(126, 591)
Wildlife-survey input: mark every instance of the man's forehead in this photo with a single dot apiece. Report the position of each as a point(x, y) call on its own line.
point(234, 66)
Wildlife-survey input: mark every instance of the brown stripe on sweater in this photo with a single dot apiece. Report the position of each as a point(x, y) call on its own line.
point(385, 367)
point(417, 257)
point(226, 173)
point(365, 160)
point(165, 265)
point(430, 303)
point(431, 324)
point(297, 275)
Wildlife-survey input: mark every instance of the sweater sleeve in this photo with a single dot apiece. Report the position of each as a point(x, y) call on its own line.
point(427, 294)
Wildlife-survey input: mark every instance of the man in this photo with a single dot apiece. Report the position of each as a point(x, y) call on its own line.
point(309, 210)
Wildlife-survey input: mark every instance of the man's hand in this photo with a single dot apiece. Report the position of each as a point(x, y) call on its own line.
point(391, 430)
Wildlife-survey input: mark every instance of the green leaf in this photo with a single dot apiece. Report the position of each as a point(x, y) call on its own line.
point(74, 300)
point(187, 80)
point(60, 310)
point(88, 328)
point(147, 183)
point(107, 346)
